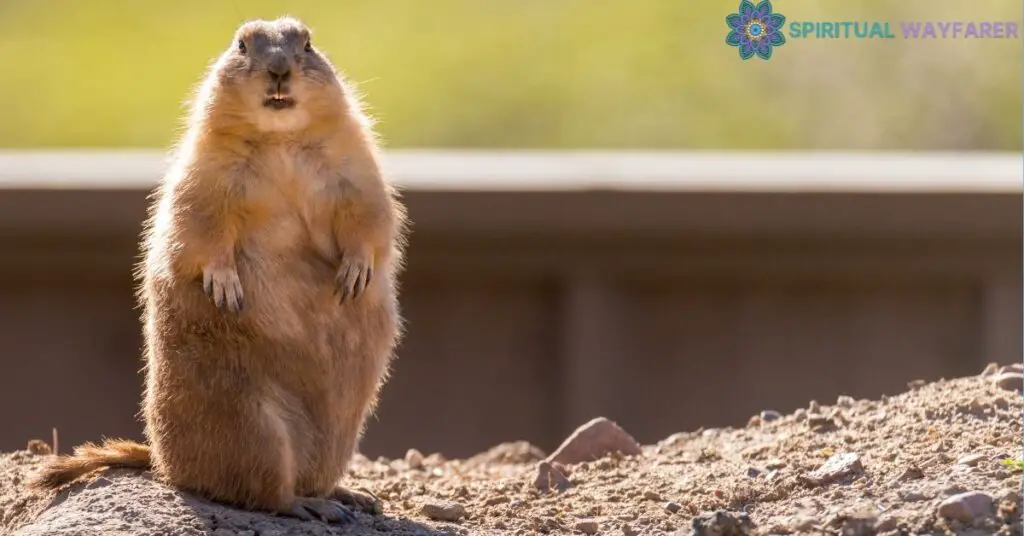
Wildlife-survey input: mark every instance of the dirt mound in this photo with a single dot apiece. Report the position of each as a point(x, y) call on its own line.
point(941, 458)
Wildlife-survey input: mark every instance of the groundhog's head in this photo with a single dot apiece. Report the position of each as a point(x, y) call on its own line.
point(273, 77)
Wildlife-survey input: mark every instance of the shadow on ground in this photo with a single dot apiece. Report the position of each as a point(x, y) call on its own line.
point(127, 502)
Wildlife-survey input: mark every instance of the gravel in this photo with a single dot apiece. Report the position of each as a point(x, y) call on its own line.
point(932, 460)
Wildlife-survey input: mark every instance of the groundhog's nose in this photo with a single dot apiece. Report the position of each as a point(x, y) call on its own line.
point(278, 67)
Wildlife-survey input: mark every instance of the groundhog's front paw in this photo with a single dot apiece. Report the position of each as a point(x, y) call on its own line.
point(354, 273)
point(223, 286)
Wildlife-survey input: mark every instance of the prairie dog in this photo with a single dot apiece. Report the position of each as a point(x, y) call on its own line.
point(268, 288)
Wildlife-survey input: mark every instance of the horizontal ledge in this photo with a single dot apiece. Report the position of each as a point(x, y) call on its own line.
point(553, 171)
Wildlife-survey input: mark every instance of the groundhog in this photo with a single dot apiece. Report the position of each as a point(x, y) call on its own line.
point(268, 288)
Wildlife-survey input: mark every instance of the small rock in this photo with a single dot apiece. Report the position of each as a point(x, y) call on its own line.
point(414, 459)
point(444, 511)
point(990, 369)
point(916, 384)
point(594, 440)
point(719, 523)
point(835, 468)
point(813, 407)
point(548, 478)
point(912, 472)
point(753, 472)
point(754, 421)
point(770, 415)
point(819, 422)
point(39, 447)
point(1011, 381)
point(627, 530)
point(652, 495)
point(800, 414)
point(970, 460)
point(845, 401)
point(966, 507)
point(673, 507)
point(497, 499)
point(587, 526)
point(913, 496)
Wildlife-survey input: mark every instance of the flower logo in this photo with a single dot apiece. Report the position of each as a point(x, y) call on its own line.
point(755, 29)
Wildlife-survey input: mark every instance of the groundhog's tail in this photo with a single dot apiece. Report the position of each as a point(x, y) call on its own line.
point(89, 457)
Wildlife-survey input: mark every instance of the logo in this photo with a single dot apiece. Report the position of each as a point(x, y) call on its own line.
point(755, 30)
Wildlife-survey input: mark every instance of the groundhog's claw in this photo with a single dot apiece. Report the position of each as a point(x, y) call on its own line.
point(353, 275)
point(326, 510)
point(365, 502)
point(223, 286)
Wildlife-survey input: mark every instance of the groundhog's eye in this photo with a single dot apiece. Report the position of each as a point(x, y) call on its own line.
point(241, 46)
point(309, 46)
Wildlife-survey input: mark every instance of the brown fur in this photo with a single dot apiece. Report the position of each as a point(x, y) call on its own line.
point(268, 286)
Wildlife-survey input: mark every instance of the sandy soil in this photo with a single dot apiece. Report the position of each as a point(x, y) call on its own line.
point(933, 460)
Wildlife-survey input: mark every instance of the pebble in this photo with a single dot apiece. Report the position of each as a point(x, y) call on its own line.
point(587, 526)
point(815, 420)
point(548, 478)
point(845, 401)
point(719, 523)
point(770, 415)
point(627, 530)
point(444, 511)
point(673, 507)
point(970, 460)
point(835, 468)
point(813, 407)
point(1011, 381)
point(652, 495)
point(966, 507)
point(414, 459)
point(39, 447)
point(594, 440)
point(913, 496)
point(497, 499)
point(753, 472)
point(990, 369)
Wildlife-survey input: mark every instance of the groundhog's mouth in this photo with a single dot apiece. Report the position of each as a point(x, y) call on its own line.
point(279, 103)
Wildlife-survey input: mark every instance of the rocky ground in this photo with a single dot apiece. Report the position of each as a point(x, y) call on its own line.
point(941, 458)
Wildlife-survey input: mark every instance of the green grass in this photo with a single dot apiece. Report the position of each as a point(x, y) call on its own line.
point(527, 73)
point(1017, 464)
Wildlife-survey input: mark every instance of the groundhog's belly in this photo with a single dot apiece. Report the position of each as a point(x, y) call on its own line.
point(287, 274)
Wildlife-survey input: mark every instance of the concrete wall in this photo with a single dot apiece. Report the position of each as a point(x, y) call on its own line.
point(696, 295)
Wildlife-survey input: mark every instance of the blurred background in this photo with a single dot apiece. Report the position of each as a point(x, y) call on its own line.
point(612, 213)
